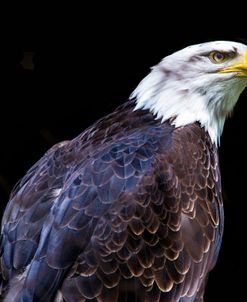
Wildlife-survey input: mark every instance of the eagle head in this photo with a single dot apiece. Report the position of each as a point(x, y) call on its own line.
point(200, 83)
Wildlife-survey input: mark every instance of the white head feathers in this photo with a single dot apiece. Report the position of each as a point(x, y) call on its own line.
point(188, 86)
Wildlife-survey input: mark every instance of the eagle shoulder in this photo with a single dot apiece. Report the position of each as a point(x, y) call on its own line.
point(124, 204)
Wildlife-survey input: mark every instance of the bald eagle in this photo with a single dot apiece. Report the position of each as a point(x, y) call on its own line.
point(131, 209)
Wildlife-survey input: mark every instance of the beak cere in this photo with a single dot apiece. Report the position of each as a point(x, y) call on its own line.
point(239, 67)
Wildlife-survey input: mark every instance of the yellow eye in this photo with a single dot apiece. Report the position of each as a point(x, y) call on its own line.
point(217, 57)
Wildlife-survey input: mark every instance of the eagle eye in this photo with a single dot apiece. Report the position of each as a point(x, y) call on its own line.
point(218, 57)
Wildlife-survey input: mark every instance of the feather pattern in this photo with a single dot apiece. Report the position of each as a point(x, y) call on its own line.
point(129, 210)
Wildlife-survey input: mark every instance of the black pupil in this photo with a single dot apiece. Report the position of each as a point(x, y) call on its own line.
point(219, 56)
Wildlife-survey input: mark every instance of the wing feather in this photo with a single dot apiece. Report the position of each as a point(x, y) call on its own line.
point(142, 211)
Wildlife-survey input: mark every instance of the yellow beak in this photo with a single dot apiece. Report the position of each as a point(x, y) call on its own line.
point(239, 67)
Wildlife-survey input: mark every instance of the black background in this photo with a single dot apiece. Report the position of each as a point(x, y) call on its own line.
point(86, 62)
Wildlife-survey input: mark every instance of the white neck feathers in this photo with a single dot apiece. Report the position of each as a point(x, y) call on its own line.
point(185, 100)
